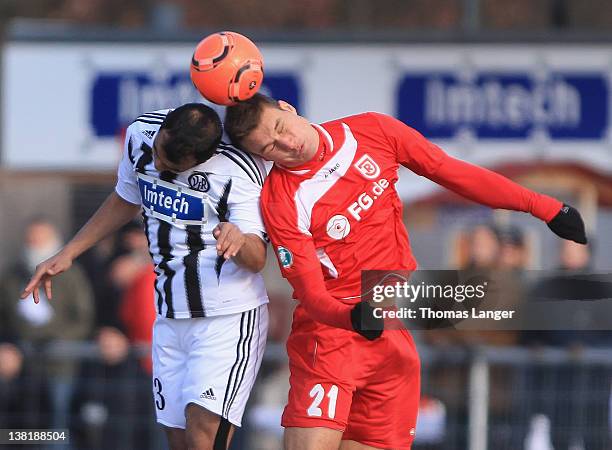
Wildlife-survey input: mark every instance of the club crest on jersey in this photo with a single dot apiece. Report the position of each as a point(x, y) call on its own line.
point(367, 167)
point(338, 227)
point(285, 257)
point(198, 181)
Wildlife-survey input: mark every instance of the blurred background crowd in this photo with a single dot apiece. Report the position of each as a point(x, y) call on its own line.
point(81, 360)
point(327, 15)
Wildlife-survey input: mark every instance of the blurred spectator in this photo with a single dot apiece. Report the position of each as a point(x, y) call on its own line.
point(483, 248)
point(96, 263)
point(513, 249)
point(499, 255)
point(138, 311)
point(113, 266)
point(131, 272)
point(68, 317)
point(572, 281)
point(572, 411)
point(24, 400)
point(112, 403)
point(575, 257)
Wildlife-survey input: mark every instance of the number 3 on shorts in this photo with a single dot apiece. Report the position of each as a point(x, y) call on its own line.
point(317, 392)
point(161, 401)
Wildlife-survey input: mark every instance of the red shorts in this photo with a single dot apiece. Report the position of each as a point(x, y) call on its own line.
point(340, 380)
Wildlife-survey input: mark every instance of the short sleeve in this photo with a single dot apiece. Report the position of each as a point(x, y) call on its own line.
point(243, 205)
point(127, 182)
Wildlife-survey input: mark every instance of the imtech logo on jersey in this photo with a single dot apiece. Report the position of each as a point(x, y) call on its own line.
point(117, 98)
point(172, 203)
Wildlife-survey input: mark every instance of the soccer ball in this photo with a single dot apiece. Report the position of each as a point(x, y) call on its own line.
point(226, 68)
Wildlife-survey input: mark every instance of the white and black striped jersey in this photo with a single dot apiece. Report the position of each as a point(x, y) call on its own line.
point(180, 211)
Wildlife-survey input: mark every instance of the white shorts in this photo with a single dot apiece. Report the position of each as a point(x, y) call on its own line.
point(209, 361)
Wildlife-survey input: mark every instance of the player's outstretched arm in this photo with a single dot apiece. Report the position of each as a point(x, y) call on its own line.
point(114, 213)
point(247, 249)
point(476, 183)
point(494, 190)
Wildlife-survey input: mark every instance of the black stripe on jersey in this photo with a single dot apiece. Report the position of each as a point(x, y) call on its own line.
point(160, 296)
point(230, 379)
point(257, 169)
point(241, 164)
point(222, 210)
point(152, 114)
point(145, 159)
point(195, 243)
point(246, 343)
point(165, 250)
point(248, 160)
point(131, 151)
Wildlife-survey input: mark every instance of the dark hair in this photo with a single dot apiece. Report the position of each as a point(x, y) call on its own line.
point(242, 118)
point(192, 129)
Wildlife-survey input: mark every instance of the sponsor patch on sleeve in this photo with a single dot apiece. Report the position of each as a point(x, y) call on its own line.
point(285, 257)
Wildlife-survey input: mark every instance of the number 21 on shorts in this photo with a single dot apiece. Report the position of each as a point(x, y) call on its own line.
point(317, 393)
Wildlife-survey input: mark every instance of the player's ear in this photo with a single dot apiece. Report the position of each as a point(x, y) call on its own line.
point(286, 107)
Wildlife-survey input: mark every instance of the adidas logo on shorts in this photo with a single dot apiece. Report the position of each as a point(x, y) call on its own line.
point(209, 394)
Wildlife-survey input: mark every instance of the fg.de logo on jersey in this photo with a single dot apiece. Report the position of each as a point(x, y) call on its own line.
point(338, 227)
point(367, 167)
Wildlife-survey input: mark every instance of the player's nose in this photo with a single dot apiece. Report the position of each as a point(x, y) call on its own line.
point(287, 142)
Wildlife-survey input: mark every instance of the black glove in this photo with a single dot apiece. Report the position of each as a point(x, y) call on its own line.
point(364, 322)
point(569, 225)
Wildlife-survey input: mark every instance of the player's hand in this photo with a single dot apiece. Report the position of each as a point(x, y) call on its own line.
point(43, 274)
point(568, 224)
point(364, 322)
point(229, 239)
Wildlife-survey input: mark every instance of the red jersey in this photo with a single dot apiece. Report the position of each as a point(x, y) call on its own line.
point(340, 213)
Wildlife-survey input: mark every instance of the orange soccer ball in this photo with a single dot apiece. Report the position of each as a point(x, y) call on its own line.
point(226, 68)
